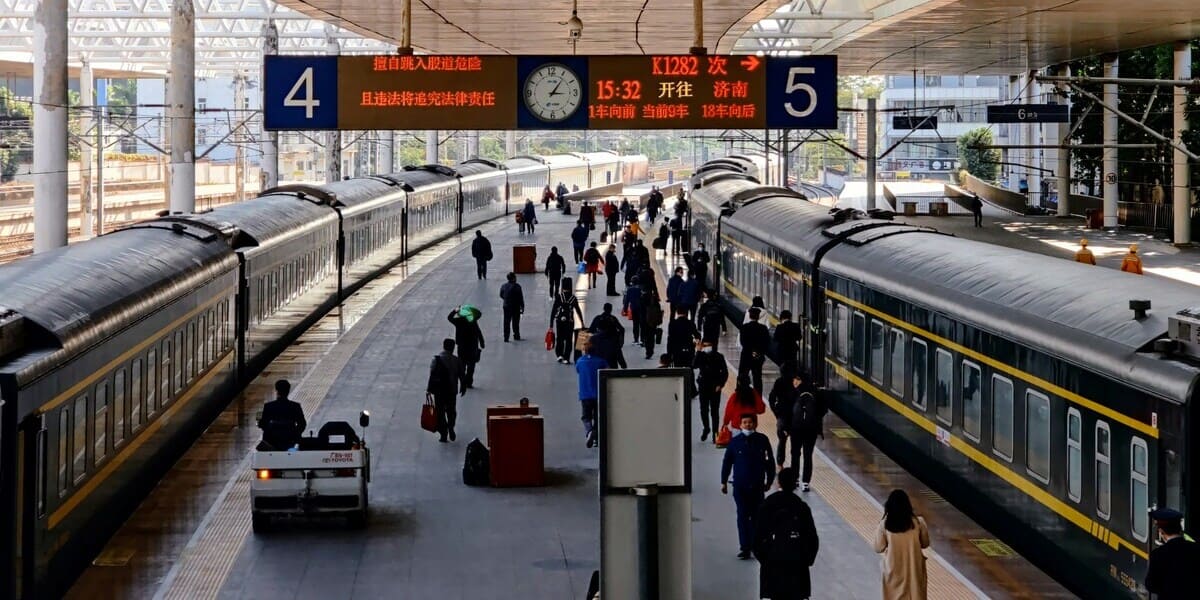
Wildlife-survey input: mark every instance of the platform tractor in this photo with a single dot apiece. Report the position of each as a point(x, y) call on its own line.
point(322, 475)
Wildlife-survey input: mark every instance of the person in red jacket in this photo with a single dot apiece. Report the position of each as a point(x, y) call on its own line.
point(744, 399)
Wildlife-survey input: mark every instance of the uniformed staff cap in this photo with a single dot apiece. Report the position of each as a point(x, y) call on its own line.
point(1166, 514)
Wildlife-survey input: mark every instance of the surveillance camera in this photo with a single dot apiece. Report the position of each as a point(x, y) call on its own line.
point(575, 27)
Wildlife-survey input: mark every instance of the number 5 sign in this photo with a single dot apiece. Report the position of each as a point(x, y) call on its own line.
point(802, 92)
point(300, 92)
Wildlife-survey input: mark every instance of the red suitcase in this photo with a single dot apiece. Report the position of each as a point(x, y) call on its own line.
point(517, 450)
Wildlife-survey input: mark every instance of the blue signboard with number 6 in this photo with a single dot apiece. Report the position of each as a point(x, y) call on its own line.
point(300, 92)
point(802, 92)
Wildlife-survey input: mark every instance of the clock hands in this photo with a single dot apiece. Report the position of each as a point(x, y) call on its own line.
point(555, 92)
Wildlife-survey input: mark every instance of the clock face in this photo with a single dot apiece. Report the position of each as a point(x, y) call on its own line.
point(553, 92)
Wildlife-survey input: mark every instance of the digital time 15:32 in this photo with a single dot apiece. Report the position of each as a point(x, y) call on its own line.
point(608, 89)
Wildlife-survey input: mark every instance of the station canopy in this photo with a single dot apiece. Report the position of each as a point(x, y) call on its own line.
point(869, 36)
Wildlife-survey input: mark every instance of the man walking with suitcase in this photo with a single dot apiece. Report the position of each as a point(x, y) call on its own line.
point(445, 380)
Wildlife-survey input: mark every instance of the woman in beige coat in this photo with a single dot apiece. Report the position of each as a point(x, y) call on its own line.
point(900, 537)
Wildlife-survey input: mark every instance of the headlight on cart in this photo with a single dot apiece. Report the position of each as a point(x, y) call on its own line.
point(264, 474)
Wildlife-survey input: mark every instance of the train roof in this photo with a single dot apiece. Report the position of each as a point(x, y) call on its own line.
point(602, 157)
point(85, 292)
point(784, 221)
point(1075, 311)
point(476, 167)
point(425, 175)
point(265, 218)
point(558, 161)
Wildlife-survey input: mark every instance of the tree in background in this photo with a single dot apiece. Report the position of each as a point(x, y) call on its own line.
point(979, 161)
point(16, 141)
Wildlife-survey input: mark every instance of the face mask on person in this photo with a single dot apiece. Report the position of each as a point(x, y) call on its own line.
point(706, 349)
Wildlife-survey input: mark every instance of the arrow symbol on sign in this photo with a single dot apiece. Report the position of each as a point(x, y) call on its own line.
point(750, 62)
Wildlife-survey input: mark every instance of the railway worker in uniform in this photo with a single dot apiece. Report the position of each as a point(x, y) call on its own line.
point(681, 339)
point(900, 537)
point(1132, 263)
point(674, 288)
point(481, 251)
point(445, 380)
point(1084, 255)
point(528, 215)
point(282, 420)
point(711, 375)
point(612, 264)
point(514, 306)
point(469, 338)
point(749, 459)
point(579, 236)
point(787, 339)
point(556, 267)
point(562, 318)
point(785, 542)
point(700, 260)
point(588, 370)
point(755, 340)
point(681, 205)
point(1171, 573)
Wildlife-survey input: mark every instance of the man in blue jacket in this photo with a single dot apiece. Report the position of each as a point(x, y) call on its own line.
point(752, 463)
point(579, 237)
point(588, 368)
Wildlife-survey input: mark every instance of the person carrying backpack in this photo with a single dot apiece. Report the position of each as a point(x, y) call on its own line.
point(808, 414)
point(785, 542)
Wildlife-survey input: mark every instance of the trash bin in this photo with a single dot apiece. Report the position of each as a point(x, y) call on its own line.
point(517, 450)
point(910, 209)
point(1094, 218)
point(524, 258)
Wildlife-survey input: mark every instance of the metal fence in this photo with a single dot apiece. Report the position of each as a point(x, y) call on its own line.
point(1145, 216)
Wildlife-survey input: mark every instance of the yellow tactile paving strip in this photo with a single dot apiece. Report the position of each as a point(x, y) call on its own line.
point(207, 561)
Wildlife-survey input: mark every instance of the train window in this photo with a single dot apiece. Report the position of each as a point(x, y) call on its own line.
point(1074, 454)
point(843, 331)
point(1037, 435)
point(202, 342)
point(180, 358)
point(1139, 501)
point(100, 424)
point(829, 336)
point(920, 371)
point(972, 396)
point(943, 367)
point(1103, 470)
point(858, 325)
point(118, 406)
point(164, 380)
point(151, 384)
point(896, 362)
point(1002, 417)
point(876, 365)
point(135, 395)
point(42, 450)
point(189, 351)
point(79, 439)
point(64, 434)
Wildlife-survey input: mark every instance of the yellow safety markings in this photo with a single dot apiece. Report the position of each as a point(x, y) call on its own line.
point(1000, 366)
point(1033, 491)
point(107, 470)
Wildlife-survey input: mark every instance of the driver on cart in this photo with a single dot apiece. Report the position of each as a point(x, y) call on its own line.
point(282, 420)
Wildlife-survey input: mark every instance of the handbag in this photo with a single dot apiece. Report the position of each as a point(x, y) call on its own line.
point(582, 266)
point(429, 414)
point(724, 436)
point(550, 339)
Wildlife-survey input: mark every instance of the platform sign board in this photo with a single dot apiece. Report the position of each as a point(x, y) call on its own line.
point(925, 122)
point(1029, 113)
point(645, 440)
point(549, 92)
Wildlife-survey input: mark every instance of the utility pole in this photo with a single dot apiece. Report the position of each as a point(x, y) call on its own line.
point(872, 151)
point(1181, 198)
point(239, 157)
point(86, 100)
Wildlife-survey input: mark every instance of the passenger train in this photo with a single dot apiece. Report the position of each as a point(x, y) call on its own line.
point(115, 353)
point(1028, 391)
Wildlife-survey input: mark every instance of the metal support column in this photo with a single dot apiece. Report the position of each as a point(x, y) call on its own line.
point(87, 98)
point(785, 156)
point(333, 139)
point(49, 125)
point(510, 143)
point(181, 106)
point(239, 152)
point(1034, 158)
point(100, 110)
point(472, 145)
point(767, 157)
point(1111, 191)
point(269, 167)
point(1181, 196)
point(1063, 166)
point(387, 153)
point(1009, 156)
point(698, 28)
point(431, 147)
point(872, 151)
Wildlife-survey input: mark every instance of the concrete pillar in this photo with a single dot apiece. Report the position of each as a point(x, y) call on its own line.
point(431, 147)
point(269, 167)
point(510, 144)
point(49, 125)
point(239, 158)
point(1109, 175)
point(872, 151)
point(333, 139)
point(1034, 156)
point(181, 106)
point(1180, 197)
point(87, 98)
point(1063, 167)
point(472, 144)
point(387, 148)
point(1009, 156)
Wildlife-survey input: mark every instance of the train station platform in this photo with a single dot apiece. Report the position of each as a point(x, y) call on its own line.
point(431, 536)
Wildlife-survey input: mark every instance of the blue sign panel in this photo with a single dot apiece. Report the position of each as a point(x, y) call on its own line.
point(802, 92)
point(300, 92)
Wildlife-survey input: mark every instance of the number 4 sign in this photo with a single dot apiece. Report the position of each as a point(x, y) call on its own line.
point(300, 92)
point(802, 92)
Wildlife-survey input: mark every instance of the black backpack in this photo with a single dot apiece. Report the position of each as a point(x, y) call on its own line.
point(477, 466)
point(786, 540)
point(807, 413)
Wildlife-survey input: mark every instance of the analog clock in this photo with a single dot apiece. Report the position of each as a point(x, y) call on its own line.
point(553, 92)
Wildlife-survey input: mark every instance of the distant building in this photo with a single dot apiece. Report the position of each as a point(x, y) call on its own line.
point(215, 113)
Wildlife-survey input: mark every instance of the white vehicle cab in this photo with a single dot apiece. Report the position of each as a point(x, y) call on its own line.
point(326, 474)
